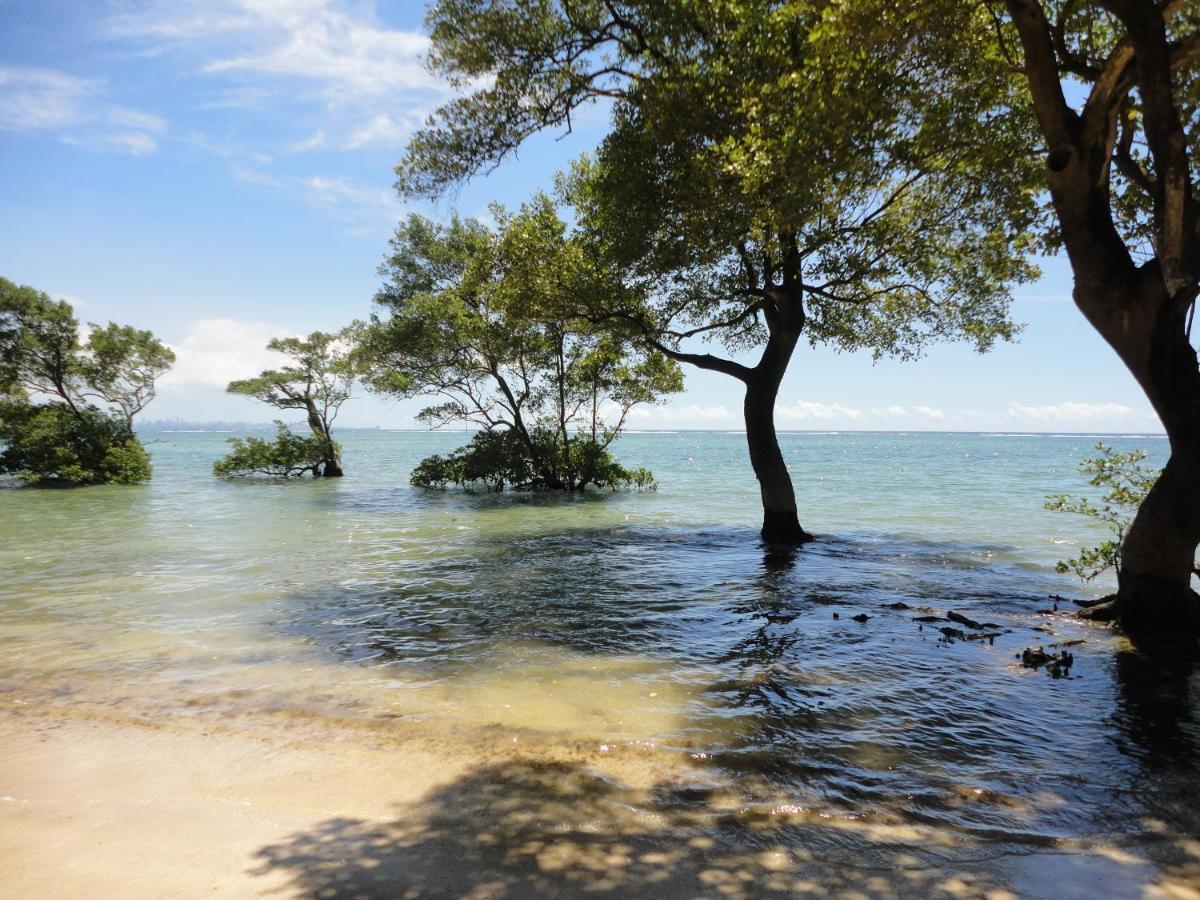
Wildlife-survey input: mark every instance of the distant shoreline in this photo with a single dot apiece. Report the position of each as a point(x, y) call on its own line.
point(239, 427)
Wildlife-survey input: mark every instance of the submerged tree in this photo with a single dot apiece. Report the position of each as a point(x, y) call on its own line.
point(67, 405)
point(288, 455)
point(766, 178)
point(1115, 86)
point(492, 324)
point(319, 379)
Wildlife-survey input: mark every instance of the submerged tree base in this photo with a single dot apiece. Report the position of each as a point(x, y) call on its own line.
point(289, 455)
point(496, 460)
point(1158, 613)
point(782, 529)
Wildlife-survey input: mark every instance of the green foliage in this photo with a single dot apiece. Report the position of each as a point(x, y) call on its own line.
point(497, 326)
point(52, 444)
point(322, 370)
point(319, 379)
point(120, 366)
point(41, 354)
point(288, 455)
point(1126, 484)
point(866, 160)
point(69, 404)
point(495, 460)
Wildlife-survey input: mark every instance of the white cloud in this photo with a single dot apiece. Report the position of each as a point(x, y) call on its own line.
point(351, 200)
point(41, 99)
point(384, 131)
point(71, 109)
point(810, 411)
point(907, 412)
point(135, 119)
point(369, 79)
point(929, 412)
point(692, 415)
point(1075, 412)
point(217, 351)
point(134, 143)
point(314, 142)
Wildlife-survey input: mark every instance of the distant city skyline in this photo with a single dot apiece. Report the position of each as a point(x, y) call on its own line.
point(220, 172)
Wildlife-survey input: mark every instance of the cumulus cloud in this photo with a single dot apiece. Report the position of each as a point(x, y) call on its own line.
point(217, 351)
point(72, 109)
point(690, 416)
point(1073, 416)
point(812, 411)
point(929, 412)
point(1070, 411)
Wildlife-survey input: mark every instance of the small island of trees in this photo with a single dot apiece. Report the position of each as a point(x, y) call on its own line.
point(67, 402)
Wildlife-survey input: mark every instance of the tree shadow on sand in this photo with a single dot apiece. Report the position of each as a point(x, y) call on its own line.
point(527, 828)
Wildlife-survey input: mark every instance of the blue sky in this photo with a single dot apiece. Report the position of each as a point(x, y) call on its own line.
point(220, 172)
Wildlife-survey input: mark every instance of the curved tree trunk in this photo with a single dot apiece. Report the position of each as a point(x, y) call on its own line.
point(1154, 596)
point(331, 465)
point(781, 523)
point(1139, 308)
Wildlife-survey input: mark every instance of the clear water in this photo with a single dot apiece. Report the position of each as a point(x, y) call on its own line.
point(650, 631)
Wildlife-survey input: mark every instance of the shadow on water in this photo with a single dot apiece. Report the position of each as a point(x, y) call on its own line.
point(782, 691)
point(1157, 707)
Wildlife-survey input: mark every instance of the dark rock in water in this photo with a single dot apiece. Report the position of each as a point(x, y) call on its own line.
point(1087, 604)
point(962, 620)
point(989, 636)
point(928, 619)
point(897, 605)
point(861, 617)
point(954, 634)
point(970, 623)
point(1057, 664)
point(1103, 610)
point(836, 616)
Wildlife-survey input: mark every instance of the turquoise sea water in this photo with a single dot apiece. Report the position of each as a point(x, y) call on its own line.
point(621, 622)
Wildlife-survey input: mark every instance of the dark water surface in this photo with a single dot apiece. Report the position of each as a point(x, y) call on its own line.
point(632, 626)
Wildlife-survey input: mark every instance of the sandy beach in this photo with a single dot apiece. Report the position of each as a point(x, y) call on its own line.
point(117, 807)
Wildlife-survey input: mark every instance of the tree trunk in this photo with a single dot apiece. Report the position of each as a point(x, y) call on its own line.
point(1139, 309)
point(1155, 600)
point(1155, 597)
point(781, 524)
point(331, 466)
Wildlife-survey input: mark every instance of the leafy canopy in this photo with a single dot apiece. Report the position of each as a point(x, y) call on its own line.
point(759, 153)
point(288, 455)
point(320, 373)
point(495, 460)
point(50, 443)
point(494, 324)
point(67, 404)
point(41, 354)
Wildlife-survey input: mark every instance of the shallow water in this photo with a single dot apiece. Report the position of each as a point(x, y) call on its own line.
point(679, 682)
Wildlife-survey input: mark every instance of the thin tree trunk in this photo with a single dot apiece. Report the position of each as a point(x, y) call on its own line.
point(781, 522)
point(331, 466)
point(548, 474)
